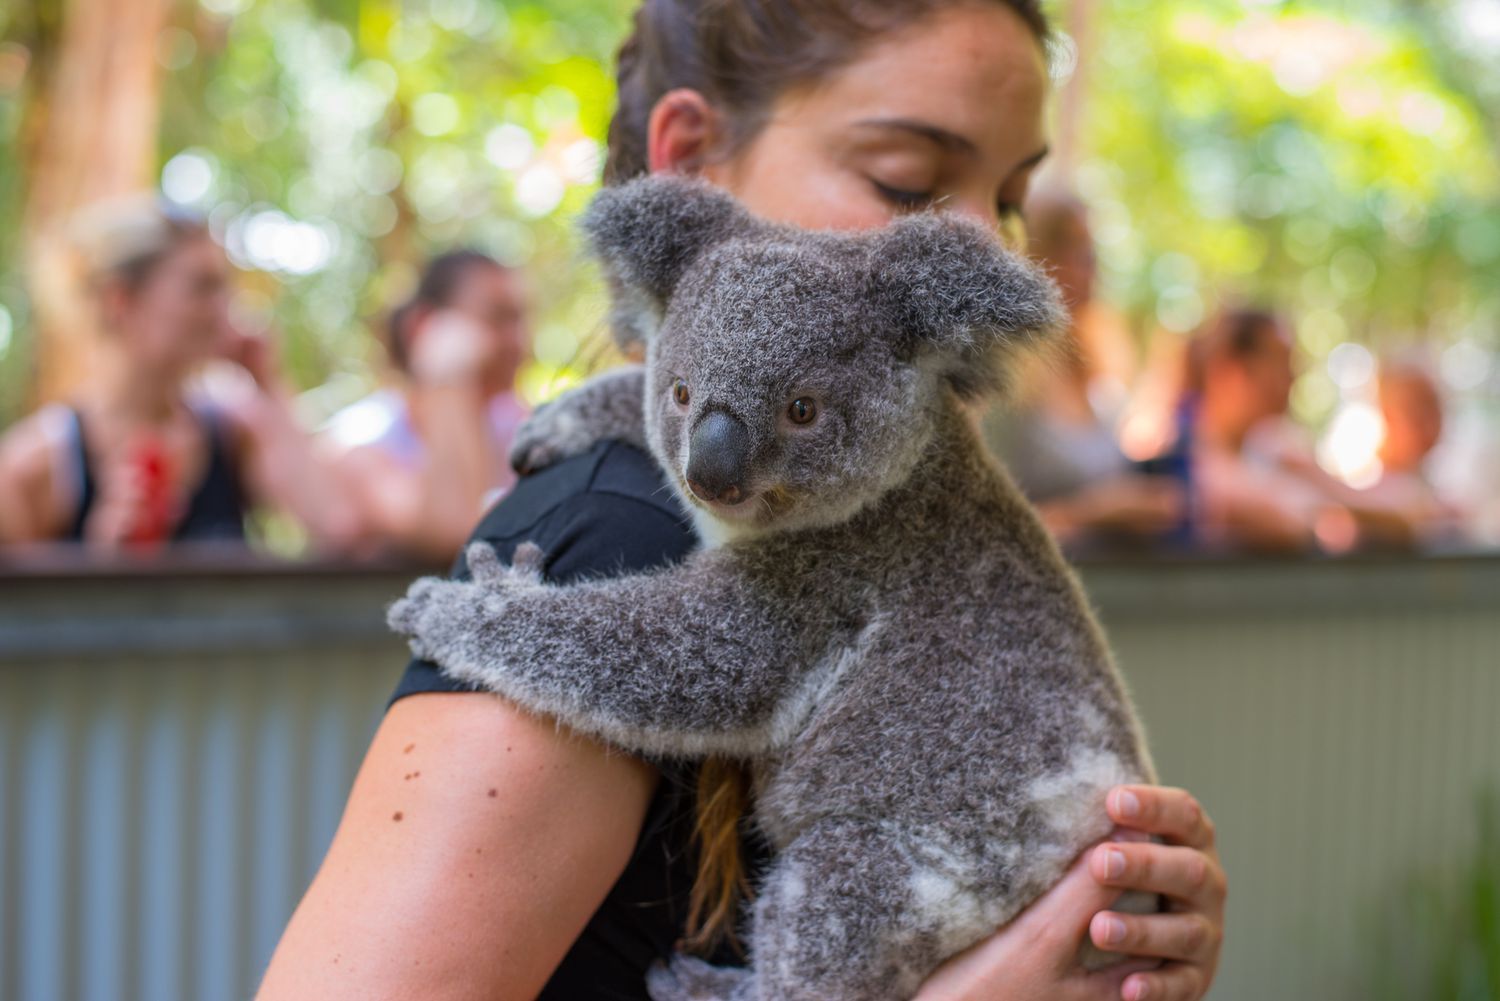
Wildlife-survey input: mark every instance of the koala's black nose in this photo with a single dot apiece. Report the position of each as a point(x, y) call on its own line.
point(717, 456)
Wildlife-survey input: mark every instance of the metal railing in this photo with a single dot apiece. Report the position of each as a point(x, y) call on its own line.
point(176, 746)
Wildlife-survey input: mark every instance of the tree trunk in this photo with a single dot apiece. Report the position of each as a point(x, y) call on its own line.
point(95, 139)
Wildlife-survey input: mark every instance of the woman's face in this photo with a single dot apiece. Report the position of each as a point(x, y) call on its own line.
point(947, 111)
point(179, 313)
point(499, 303)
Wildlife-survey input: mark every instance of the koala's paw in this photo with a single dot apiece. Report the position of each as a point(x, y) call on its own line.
point(556, 431)
point(690, 979)
point(422, 616)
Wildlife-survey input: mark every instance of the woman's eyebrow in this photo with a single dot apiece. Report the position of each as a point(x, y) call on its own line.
point(1035, 158)
point(936, 134)
point(943, 137)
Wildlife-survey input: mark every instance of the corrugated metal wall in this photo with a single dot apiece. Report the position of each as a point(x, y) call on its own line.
point(174, 754)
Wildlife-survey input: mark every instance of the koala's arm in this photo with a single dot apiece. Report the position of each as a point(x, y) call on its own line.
point(606, 407)
point(683, 662)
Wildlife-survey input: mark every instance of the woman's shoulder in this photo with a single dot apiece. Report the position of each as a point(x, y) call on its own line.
point(36, 455)
point(607, 511)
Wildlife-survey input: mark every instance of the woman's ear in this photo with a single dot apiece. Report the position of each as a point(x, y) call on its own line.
point(682, 132)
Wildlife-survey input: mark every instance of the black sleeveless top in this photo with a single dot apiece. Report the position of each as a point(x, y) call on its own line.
point(608, 512)
point(215, 511)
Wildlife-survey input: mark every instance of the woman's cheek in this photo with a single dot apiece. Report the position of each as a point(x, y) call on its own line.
point(828, 198)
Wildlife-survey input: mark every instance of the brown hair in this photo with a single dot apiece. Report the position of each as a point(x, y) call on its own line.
point(741, 55)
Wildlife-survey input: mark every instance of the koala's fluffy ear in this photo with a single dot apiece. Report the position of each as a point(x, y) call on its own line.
point(953, 290)
point(647, 232)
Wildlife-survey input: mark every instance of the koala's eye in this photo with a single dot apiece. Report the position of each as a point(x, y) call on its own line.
point(680, 393)
point(802, 410)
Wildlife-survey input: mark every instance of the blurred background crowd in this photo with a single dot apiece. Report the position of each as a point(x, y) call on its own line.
point(289, 273)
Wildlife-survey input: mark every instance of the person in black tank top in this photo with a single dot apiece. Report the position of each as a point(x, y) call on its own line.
point(214, 511)
point(159, 288)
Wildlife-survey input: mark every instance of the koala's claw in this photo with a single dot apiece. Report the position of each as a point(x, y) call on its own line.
point(484, 564)
point(529, 559)
point(486, 568)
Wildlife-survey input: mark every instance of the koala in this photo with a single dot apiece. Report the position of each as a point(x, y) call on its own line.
point(877, 623)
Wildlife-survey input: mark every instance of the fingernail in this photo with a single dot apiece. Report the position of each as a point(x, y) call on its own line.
point(1128, 805)
point(1111, 930)
point(1114, 863)
point(1135, 990)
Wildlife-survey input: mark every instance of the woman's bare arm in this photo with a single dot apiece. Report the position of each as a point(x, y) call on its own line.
point(27, 494)
point(476, 843)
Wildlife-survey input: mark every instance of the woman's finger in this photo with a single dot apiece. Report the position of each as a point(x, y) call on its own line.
point(1183, 874)
point(1063, 912)
point(1187, 937)
point(1173, 982)
point(1171, 813)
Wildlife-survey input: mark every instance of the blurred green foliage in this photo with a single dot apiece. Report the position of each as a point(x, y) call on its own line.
point(1338, 160)
point(1438, 935)
point(1319, 158)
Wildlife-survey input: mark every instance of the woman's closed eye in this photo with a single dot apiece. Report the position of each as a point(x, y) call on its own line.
point(1008, 214)
point(903, 198)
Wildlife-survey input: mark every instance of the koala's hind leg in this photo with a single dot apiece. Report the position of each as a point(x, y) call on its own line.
point(852, 911)
point(607, 407)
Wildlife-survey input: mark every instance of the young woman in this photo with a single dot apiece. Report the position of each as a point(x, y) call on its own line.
point(482, 853)
point(136, 458)
point(420, 460)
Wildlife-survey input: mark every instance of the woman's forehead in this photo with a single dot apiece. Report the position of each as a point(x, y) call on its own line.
point(971, 76)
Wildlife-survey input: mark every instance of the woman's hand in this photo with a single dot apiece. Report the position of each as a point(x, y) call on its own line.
point(1176, 952)
point(1035, 956)
point(1185, 870)
point(448, 347)
point(137, 497)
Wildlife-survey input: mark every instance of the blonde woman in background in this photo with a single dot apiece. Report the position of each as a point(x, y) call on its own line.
point(135, 457)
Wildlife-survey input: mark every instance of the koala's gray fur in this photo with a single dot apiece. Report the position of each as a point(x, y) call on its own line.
point(883, 629)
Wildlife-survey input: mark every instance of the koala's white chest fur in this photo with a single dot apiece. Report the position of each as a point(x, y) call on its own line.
point(714, 532)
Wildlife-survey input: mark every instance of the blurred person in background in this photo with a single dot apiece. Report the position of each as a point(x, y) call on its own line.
point(1256, 483)
point(1055, 442)
point(1412, 411)
point(142, 456)
point(423, 459)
